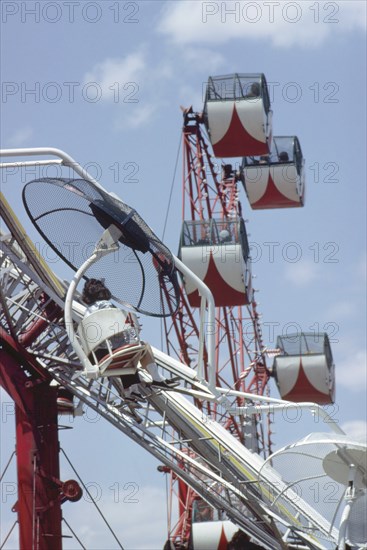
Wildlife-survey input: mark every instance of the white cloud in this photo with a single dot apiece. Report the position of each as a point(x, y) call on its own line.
point(114, 75)
point(353, 14)
point(341, 310)
point(135, 517)
point(356, 429)
point(283, 24)
point(352, 372)
point(140, 116)
point(20, 137)
point(132, 82)
point(301, 273)
point(197, 58)
point(191, 96)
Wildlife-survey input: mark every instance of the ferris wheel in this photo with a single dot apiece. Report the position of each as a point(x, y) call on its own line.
point(236, 122)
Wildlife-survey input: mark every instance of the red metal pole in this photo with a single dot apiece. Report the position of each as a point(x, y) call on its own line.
point(37, 449)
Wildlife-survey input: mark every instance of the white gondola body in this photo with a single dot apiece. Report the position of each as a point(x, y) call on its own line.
point(239, 127)
point(213, 535)
point(305, 378)
point(274, 186)
point(223, 269)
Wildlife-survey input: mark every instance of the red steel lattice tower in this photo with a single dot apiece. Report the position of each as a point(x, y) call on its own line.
point(207, 194)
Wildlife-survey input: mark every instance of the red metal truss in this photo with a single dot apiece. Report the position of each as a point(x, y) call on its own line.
point(211, 192)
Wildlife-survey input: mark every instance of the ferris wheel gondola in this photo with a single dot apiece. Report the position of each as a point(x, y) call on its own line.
point(304, 368)
point(217, 251)
point(276, 180)
point(237, 115)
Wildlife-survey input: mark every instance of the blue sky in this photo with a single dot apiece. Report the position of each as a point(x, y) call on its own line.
point(104, 81)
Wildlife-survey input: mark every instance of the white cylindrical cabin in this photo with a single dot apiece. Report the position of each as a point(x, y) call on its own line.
point(212, 535)
point(304, 369)
point(276, 180)
point(237, 115)
point(217, 251)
